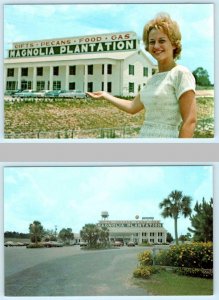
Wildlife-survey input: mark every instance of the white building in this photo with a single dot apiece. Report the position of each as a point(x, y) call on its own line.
point(146, 230)
point(112, 62)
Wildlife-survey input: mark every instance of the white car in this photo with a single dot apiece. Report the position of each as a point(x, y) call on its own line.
point(40, 93)
point(73, 94)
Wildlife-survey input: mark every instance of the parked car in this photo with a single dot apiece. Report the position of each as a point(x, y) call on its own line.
point(52, 94)
point(83, 244)
point(12, 92)
point(118, 244)
point(40, 93)
point(73, 94)
point(51, 244)
point(23, 94)
point(131, 244)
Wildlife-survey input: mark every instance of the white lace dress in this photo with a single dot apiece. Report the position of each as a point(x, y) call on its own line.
point(160, 97)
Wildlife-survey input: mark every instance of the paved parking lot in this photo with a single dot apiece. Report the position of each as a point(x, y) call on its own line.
point(70, 271)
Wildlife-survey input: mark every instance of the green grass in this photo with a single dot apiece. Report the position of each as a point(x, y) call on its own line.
point(167, 283)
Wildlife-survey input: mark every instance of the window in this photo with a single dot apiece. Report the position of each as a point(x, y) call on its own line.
point(25, 85)
point(151, 240)
point(11, 85)
point(40, 71)
point(131, 87)
point(71, 85)
point(160, 240)
point(131, 70)
point(56, 85)
point(160, 234)
point(109, 69)
point(40, 85)
point(90, 87)
point(72, 70)
point(109, 87)
point(10, 72)
point(144, 233)
point(90, 69)
point(24, 71)
point(154, 71)
point(145, 71)
point(151, 233)
point(55, 71)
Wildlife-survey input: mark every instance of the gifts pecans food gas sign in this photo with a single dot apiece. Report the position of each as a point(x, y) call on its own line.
point(79, 45)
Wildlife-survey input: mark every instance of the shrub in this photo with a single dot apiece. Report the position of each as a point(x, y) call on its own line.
point(145, 271)
point(195, 255)
point(195, 272)
point(145, 258)
point(35, 246)
point(163, 258)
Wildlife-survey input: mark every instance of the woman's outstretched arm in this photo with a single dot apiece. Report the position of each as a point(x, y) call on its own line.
point(129, 106)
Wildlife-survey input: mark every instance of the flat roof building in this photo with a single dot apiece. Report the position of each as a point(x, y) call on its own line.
point(112, 62)
point(146, 230)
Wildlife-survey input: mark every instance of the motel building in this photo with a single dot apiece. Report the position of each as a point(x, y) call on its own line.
point(146, 230)
point(111, 62)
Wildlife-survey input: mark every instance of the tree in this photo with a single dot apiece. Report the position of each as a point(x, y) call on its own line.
point(66, 235)
point(50, 235)
point(202, 221)
point(169, 237)
point(104, 235)
point(174, 205)
point(90, 234)
point(184, 237)
point(201, 77)
point(36, 232)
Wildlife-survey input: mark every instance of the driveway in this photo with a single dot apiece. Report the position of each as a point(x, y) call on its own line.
point(70, 271)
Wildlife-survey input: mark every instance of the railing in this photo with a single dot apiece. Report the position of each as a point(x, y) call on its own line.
point(98, 133)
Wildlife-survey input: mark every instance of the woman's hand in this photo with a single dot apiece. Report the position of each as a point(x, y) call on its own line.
point(97, 95)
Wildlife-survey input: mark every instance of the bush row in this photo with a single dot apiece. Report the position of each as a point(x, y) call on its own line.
point(194, 259)
point(195, 255)
point(195, 272)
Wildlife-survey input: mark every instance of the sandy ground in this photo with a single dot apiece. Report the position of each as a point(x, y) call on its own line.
point(205, 93)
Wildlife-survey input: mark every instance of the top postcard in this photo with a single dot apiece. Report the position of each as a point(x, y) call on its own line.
point(109, 71)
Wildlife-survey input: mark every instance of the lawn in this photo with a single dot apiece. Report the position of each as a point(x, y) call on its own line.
point(167, 283)
point(85, 119)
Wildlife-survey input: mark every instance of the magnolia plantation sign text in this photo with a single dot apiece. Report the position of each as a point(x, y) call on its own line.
point(78, 45)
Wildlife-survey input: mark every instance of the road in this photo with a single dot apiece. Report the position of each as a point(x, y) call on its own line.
point(71, 271)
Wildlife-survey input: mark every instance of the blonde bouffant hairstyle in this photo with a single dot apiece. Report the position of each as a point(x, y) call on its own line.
point(164, 23)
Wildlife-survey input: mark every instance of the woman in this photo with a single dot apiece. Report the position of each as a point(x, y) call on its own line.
point(169, 95)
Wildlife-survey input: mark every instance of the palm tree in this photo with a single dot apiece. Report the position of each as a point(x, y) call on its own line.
point(174, 205)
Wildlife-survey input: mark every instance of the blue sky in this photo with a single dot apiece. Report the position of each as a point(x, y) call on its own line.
point(32, 22)
point(74, 196)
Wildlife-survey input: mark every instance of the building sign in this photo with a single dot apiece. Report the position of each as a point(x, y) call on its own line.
point(130, 224)
point(78, 45)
